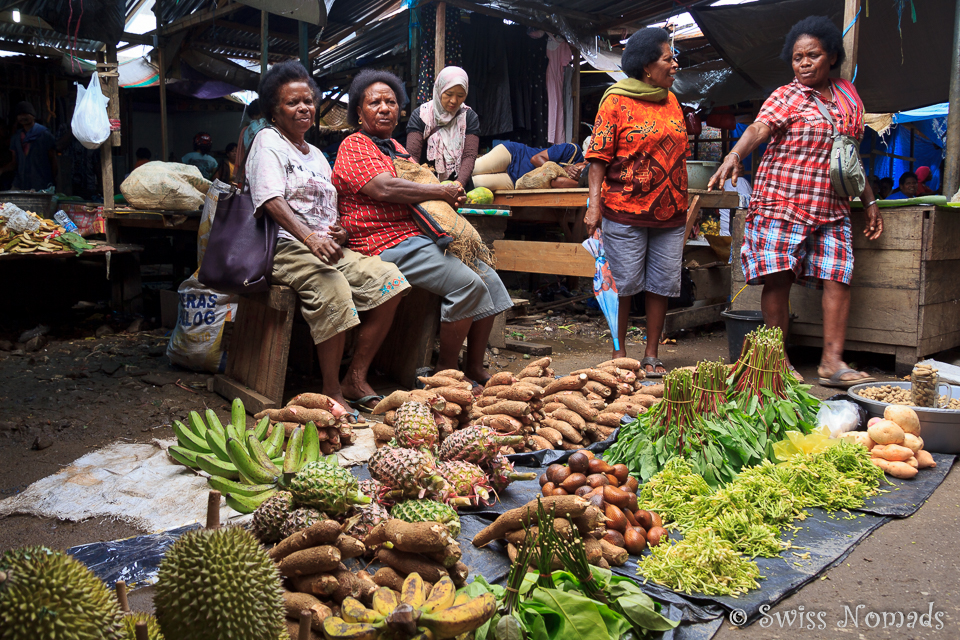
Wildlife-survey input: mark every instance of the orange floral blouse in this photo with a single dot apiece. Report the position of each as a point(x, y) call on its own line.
point(645, 146)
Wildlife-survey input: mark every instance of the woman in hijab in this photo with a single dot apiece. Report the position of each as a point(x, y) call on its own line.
point(450, 128)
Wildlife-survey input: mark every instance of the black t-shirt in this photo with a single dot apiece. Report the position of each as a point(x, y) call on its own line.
point(415, 124)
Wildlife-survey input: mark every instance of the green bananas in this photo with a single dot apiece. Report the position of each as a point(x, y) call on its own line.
point(443, 614)
point(247, 466)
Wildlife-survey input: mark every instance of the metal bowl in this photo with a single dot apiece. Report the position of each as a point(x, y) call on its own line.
point(699, 173)
point(939, 428)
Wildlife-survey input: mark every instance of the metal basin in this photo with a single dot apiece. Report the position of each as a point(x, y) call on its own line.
point(699, 173)
point(939, 428)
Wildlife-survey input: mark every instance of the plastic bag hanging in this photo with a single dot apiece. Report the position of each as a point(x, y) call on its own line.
point(604, 288)
point(90, 123)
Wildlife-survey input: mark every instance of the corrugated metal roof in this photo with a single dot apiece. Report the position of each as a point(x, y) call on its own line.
point(379, 39)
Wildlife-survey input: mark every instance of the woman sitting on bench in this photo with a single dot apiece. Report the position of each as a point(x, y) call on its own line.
point(375, 210)
point(290, 179)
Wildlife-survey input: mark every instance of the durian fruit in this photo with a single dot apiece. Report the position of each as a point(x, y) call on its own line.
point(268, 519)
point(407, 473)
point(47, 595)
point(130, 626)
point(475, 444)
point(415, 427)
point(300, 519)
point(327, 487)
point(467, 480)
point(427, 511)
point(216, 584)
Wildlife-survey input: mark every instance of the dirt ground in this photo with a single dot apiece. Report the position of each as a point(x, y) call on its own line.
point(78, 393)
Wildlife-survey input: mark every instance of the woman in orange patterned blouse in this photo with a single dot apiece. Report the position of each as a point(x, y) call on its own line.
point(638, 184)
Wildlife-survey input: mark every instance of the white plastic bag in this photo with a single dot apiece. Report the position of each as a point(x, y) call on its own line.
point(839, 416)
point(196, 342)
point(91, 124)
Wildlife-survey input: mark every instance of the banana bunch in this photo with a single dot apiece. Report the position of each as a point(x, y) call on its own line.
point(245, 466)
point(413, 614)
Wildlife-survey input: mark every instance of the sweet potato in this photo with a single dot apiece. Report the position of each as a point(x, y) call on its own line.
point(896, 469)
point(456, 395)
point(913, 462)
point(572, 418)
point(436, 382)
point(886, 432)
point(891, 452)
point(632, 409)
point(508, 407)
point(530, 371)
point(389, 578)
point(599, 376)
point(452, 373)
point(501, 378)
point(382, 431)
point(623, 363)
point(310, 561)
point(415, 537)
point(407, 563)
point(321, 584)
point(500, 422)
point(905, 418)
point(553, 406)
point(859, 437)
point(565, 429)
point(551, 435)
point(579, 405)
point(925, 460)
point(609, 418)
point(516, 393)
point(294, 603)
point(300, 415)
point(539, 443)
point(392, 401)
point(912, 442)
point(566, 383)
point(320, 533)
point(598, 388)
point(565, 507)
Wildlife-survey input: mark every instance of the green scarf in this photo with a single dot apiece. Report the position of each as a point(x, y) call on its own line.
point(633, 88)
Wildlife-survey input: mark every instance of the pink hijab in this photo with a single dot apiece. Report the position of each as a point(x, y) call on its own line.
point(445, 132)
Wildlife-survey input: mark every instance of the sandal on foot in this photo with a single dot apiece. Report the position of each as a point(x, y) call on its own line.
point(796, 374)
point(836, 380)
point(652, 362)
point(366, 403)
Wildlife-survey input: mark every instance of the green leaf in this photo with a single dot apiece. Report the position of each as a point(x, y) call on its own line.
point(508, 628)
point(637, 606)
point(786, 412)
point(568, 616)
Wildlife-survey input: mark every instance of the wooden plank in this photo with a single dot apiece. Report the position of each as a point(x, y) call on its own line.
point(412, 336)
point(935, 344)
point(856, 334)
point(851, 41)
point(692, 317)
point(279, 297)
point(693, 210)
point(711, 283)
point(939, 282)
point(253, 402)
point(541, 198)
point(940, 233)
point(530, 348)
point(939, 319)
point(801, 340)
point(499, 331)
point(893, 310)
point(886, 269)
point(557, 258)
point(440, 40)
point(902, 230)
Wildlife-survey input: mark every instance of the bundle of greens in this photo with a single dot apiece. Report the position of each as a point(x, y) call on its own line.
point(709, 388)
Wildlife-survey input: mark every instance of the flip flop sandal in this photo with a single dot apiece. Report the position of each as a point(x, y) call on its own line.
point(796, 374)
point(366, 403)
point(653, 362)
point(836, 382)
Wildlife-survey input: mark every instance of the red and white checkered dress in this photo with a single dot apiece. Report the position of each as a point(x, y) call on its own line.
point(372, 225)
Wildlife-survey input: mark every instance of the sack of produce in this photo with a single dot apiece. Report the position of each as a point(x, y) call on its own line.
point(466, 244)
point(541, 177)
point(202, 315)
point(166, 186)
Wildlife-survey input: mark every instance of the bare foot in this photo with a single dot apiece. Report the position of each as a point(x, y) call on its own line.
point(477, 374)
point(827, 371)
point(618, 353)
point(355, 386)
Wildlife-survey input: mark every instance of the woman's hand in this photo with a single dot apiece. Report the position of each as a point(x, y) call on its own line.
point(339, 234)
point(592, 217)
point(453, 194)
point(874, 225)
point(731, 168)
point(574, 170)
point(325, 248)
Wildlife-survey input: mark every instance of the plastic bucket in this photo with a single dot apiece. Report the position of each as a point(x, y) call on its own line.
point(739, 324)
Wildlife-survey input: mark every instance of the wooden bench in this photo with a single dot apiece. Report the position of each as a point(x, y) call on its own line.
point(259, 348)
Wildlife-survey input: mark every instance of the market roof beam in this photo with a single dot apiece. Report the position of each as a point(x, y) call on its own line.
point(496, 13)
point(237, 26)
point(39, 23)
point(198, 18)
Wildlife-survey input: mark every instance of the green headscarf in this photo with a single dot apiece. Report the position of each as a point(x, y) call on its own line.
point(633, 88)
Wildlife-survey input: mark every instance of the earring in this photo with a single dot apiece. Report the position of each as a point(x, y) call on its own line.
point(649, 76)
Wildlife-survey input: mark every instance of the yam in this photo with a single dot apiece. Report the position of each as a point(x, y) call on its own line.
point(300, 415)
point(459, 573)
point(566, 383)
point(597, 403)
point(925, 460)
point(508, 407)
point(501, 378)
point(493, 391)
point(615, 555)
point(322, 584)
point(382, 431)
point(598, 388)
point(320, 533)
point(326, 448)
point(623, 363)
point(485, 401)
point(891, 452)
point(348, 585)
point(579, 405)
point(593, 398)
point(912, 442)
point(896, 469)
point(565, 429)
point(530, 371)
point(886, 432)
point(350, 547)
point(310, 561)
point(294, 603)
point(517, 393)
point(293, 631)
point(452, 373)
point(448, 557)
point(544, 362)
point(593, 550)
point(367, 587)
point(565, 507)
point(609, 418)
point(450, 409)
point(553, 406)
point(655, 390)
point(539, 443)
point(436, 382)
point(531, 383)
point(502, 423)
point(392, 401)
point(572, 418)
point(551, 435)
point(415, 537)
point(314, 401)
point(389, 578)
point(428, 397)
point(456, 395)
point(632, 409)
point(905, 417)
point(541, 382)
point(600, 376)
point(407, 563)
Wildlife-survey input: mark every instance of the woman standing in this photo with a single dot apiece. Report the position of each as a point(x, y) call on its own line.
point(290, 179)
point(375, 209)
point(450, 128)
point(638, 185)
point(798, 228)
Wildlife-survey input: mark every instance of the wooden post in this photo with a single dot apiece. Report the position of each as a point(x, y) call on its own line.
point(264, 44)
point(440, 40)
point(851, 41)
point(951, 168)
point(213, 509)
point(575, 90)
point(414, 52)
point(164, 136)
point(109, 84)
point(304, 44)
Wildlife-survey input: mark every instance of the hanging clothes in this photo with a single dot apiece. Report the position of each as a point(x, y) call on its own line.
point(485, 63)
point(569, 133)
point(453, 47)
point(527, 60)
point(559, 56)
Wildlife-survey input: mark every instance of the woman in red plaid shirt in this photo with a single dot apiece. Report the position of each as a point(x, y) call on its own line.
point(798, 228)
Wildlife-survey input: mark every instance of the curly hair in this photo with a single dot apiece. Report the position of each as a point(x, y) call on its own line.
point(644, 47)
point(360, 85)
point(823, 29)
point(274, 80)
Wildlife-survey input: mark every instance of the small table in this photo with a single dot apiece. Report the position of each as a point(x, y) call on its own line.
point(143, 219)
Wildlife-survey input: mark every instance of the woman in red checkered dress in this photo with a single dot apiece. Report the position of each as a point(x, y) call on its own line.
point(798, 228)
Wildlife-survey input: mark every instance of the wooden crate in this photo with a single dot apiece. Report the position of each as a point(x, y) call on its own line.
point(905, 292)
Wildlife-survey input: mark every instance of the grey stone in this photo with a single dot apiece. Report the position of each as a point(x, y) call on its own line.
point(34, 344)
point(157, 351)
point(43, 441)
point(8, 425)
point(110, 367)
point(103, 330)
point(134, 326)
point(6, 345)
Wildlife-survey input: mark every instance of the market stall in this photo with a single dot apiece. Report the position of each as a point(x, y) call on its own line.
point(904, 297)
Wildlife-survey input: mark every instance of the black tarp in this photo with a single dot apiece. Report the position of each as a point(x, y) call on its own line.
point(902, 64)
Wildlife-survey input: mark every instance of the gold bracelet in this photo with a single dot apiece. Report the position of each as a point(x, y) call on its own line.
point(312, 233)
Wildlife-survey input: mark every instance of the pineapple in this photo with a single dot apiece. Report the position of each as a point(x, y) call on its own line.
point(427, 511)
point(362, 519)
point(406, 472)
point(326, 487)
point(415, 426)
point(502, 473)
point(300, 519)
point(466, 480)
point(268, 518)
point(475, 444)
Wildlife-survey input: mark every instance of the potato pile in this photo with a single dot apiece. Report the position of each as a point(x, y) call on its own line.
point(328, 414)
point(425, 548)
point(611, 489)
point(894, 442)
point(448, 394)
point(563, 413)
point(315, 578)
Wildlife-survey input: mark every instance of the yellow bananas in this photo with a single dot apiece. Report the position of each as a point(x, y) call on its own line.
point(441, 615)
